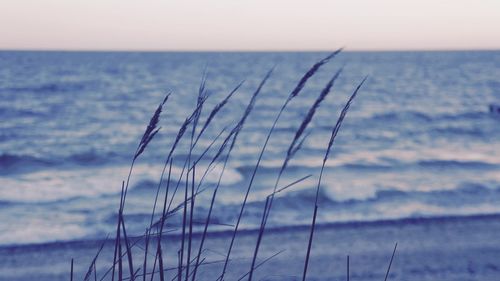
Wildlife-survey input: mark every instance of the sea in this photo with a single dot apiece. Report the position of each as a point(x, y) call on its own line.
point(420, 140)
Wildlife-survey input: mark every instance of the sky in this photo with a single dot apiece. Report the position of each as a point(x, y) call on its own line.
point(254, 25)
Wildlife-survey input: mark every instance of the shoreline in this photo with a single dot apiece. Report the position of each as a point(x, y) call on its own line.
point(277, 229)
point(453, 248)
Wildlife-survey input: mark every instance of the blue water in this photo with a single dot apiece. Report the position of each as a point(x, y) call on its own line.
point(419, 140)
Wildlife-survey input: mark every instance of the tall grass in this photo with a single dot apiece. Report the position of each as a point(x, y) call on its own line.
point(300, 85)
point(186, 188)
point(335, 130)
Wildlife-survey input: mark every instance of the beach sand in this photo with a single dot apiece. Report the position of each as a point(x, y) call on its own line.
point(451, 248)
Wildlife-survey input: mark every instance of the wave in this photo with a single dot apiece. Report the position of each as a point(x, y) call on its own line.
point(91, 157)
point(425, 117)
point(456, 163)
point(297, 200)
point(290, 210)
point(10, 112)
point(53, 87)
point(82, 236)
point(461, 131)
point(11, 163)
point(382, 160)
point(378, 163)
point(15, 164)
point(462, 193)
point(405, 115)
point(295, 208)
point(57, 184)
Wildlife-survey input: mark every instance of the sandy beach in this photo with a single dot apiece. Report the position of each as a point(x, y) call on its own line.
point(452, 248)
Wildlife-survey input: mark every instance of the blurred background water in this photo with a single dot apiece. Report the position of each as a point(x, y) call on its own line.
point(419, 140)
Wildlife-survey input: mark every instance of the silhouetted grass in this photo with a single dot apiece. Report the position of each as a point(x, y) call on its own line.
point(292, 95)
point(217, 152)
point(390, 263)
point(335, 130)
point(292, 149)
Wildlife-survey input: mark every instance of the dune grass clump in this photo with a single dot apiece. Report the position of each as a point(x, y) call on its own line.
point(148, 247)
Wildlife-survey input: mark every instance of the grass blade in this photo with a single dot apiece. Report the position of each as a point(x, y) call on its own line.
point(261, 263)
point(118, 238)
point(311, 234)
point(348, 274)
point(390, 263)
point(160, 262)
point(335, 130)
point(293, 94)
point(216, 109)
point(290, 153)
point(128, 249)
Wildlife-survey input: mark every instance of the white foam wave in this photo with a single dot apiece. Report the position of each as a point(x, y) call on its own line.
point(54, 185)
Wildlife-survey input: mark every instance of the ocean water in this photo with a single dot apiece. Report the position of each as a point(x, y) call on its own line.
point(418, 141)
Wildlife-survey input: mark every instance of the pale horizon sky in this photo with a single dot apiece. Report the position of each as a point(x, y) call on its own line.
point(258, 25)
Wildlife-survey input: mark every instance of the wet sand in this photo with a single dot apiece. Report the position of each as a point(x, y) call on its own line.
point(452, 248)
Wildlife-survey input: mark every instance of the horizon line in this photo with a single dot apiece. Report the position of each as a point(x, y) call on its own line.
point(345, 50)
